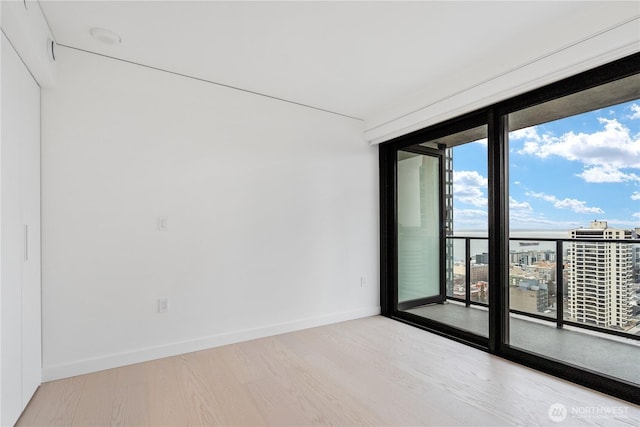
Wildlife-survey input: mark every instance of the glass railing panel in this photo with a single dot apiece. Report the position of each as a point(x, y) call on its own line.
point(532, 277)
point(599, 326)
point(456, 268)
point(479, 271)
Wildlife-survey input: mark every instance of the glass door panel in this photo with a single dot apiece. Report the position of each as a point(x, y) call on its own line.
point(443, 273)
point(419, 229)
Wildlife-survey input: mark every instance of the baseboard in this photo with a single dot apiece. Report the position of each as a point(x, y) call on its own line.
point(86, 366)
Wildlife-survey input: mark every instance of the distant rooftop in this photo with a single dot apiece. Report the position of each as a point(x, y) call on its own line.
point(599, 224)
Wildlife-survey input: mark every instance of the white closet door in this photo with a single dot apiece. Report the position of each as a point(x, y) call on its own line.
point(11, 236)
point(30, 192)
point(20, 335)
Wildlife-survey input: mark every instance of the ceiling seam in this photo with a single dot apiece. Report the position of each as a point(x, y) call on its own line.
point(211, 82)
point(46, 20)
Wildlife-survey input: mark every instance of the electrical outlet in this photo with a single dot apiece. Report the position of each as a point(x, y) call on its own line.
point(163, 305)
point(363, 281)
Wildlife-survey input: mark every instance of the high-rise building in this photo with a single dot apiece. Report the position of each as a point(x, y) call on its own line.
point(600, 275)
point(448, 218)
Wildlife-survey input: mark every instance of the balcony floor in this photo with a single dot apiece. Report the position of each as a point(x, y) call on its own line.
point(615, 356)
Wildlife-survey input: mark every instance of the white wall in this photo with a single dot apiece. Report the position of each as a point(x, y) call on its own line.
point(271, 216)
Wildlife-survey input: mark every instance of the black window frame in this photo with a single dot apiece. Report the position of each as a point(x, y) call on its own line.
point(496, 117)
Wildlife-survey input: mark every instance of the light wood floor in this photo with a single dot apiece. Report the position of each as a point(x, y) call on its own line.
point(371, 371)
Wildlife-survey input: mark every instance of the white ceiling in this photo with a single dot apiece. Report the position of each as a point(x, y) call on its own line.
point(352, 58)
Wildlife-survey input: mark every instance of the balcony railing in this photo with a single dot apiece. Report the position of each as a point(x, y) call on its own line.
point(542, 289)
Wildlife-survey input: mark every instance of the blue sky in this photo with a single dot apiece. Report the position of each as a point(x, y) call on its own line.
point(562, 174)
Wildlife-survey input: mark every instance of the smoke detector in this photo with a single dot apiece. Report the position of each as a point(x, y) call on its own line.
point(105, 36)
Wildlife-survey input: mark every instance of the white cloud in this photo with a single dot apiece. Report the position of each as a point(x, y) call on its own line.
point(577, 206)
point(530, 133)
point(635, 195)
point(621, 223)
point(469, 187)
point(470, 213)
point(524, 222)
point(611, 146)
point(482, 142)
point(514, 204)
point(635, 111)
point(542, 196)
point(524, 219)
point(636, 215)
point(606, 173)
point(522, 216)
point(603, 152)
point(470, 218)
point(469, 178)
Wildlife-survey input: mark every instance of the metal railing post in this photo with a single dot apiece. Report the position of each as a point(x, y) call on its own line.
point(467, 271)
point(559, 285)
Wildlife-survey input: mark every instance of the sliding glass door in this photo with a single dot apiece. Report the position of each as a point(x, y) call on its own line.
point(515, 228)
point(419, 232)
point(441, 275)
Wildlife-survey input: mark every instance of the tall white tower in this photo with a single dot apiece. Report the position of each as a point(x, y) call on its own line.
point(600, 276)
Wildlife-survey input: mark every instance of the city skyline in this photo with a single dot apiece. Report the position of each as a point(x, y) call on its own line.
point(562, 175)
point(599, 279)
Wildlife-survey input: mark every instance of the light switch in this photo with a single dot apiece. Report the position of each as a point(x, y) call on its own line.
point(162, 223)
